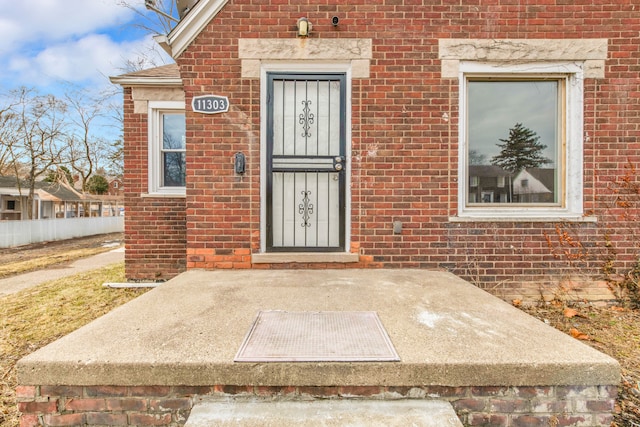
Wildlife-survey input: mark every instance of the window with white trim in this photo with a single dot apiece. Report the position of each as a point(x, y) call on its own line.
point(167, 148)
point(520, 140)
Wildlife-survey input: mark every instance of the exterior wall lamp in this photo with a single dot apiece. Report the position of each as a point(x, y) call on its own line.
point(304, 27)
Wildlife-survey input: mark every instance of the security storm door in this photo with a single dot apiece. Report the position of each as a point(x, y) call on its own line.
point(306, 162)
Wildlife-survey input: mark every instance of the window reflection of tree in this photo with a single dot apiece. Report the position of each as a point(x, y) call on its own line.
point(172, 139)
point(174, 169)
point(174, 159)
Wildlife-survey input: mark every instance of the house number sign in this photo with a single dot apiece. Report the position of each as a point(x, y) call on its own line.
point(210, 104)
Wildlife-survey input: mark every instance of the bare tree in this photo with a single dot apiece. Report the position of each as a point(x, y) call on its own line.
point(477, 158)
point(35, 140)
point(148, 56)
point(115, 152)
point(7, 132)
point(151, 22)
point(116, 158)
point(83, 149)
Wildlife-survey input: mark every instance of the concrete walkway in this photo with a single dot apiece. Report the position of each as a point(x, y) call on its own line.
point(15, 284)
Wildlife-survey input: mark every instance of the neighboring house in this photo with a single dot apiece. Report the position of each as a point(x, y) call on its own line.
point(264, 147)
point(492, 184)
point(107, 205)
point(534, 186)
point(115, 187)
point(52, 200)
point(12, 200)
point(489, 184)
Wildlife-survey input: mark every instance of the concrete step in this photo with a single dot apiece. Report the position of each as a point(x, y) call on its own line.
point(352, 413)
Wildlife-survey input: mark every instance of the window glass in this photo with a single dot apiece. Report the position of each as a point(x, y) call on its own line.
point(173, 149)
point(513, 141)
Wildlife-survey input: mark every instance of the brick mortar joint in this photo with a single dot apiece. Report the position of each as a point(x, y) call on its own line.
point(171, 392)
point(538, 402)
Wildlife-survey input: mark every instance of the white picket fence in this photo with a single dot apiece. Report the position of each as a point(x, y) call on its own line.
point(16, 233)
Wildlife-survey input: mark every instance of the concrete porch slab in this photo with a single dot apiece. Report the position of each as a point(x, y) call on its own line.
point(445, 330)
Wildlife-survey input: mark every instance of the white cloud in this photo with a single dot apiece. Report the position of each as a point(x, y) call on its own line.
point(87, 59)
point(43, 42)
point(29, 21)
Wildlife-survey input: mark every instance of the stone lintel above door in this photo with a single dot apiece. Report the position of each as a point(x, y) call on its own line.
point(358, 52)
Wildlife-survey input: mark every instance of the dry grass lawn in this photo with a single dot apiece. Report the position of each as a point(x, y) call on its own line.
point(35, 317)
point(44, 262)
point(38, 256)
point(612, 330)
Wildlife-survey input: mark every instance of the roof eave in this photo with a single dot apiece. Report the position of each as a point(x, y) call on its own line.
point(146, 81)
point(163, 43)
point(177, 41)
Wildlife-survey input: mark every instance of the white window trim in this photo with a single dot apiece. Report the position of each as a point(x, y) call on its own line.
point(572, 205)
point(155, 109)
point(303, 67)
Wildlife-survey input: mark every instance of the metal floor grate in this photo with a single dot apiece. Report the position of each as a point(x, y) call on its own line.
point(328, 336)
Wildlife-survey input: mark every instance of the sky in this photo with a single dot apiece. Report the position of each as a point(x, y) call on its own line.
point(54, 45)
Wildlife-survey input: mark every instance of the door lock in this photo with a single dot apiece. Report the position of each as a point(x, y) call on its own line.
point(338, 163)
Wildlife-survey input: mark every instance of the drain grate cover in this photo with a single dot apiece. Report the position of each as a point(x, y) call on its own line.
point(326, 336)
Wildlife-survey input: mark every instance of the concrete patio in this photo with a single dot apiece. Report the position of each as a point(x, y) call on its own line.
point(455, 341)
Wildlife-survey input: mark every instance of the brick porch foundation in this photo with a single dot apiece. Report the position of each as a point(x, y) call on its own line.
point(584, 406)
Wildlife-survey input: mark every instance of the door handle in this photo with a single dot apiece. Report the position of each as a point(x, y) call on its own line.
point(338, 163)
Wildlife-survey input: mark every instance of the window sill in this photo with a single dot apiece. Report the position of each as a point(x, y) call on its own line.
point(304, 257)
point(164, 195)
point(541, 218)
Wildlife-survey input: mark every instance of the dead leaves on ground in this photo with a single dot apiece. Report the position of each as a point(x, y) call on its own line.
point(570, 313)
point(613, 330)
point(578, 335)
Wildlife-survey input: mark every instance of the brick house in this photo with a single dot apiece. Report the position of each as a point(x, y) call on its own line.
point(115, 187)
point(338, 135)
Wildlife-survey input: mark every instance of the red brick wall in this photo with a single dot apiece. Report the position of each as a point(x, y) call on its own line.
point(154, 227)
point(570, 406)
point(405, 153)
